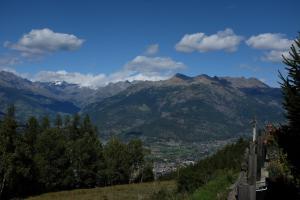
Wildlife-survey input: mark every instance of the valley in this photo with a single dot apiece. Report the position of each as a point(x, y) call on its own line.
point(181, 118)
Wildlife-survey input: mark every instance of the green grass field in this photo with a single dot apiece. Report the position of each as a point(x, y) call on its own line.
point(216, 189)
point(120, 192)
point(213, 190)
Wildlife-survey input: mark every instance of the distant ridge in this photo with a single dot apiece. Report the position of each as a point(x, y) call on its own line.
point(180, 108)
point(187, 108)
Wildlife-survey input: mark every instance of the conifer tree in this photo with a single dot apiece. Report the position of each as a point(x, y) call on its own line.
point(25, 150)
point(289, 138)
point(8, 138)
point(58, 121)
point(117, 162)
point(86, 155)
point(51, 160)
point(45, 123)
point(291, 87)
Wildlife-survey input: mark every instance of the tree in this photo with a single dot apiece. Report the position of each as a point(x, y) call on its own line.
point(291, 87)
point(117, 162)
point(51, 160)
point(136, 154)
point(86, 156)
point(289, 138)
point(27, 182)
point(58, 121)
point(45, 123)
point(8, 138)
point(74, 132)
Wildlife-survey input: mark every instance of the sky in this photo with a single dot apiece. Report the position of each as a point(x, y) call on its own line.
point(92, 43)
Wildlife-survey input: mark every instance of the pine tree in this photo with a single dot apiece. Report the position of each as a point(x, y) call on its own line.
point(25, 151)
point(45, 123)
point(8, 138)
point(289, 138)
point(51, 160)
point(291, 87)
point(87, 155)
point(58, 121)
point(117, 162)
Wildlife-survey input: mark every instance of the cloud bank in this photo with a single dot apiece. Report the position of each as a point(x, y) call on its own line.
point(140, 68)
point(225, 40)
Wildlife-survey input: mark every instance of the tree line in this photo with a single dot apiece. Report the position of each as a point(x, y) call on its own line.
point(42, 156)
point(226, 159)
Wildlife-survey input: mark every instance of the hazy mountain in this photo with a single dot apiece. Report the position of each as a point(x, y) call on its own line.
point(49, 98)
point(29, 98)
point(187, 108)
point(180, 108)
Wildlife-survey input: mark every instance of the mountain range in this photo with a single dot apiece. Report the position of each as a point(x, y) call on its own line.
point(181, 108)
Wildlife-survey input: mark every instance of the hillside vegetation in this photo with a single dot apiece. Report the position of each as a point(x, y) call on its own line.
point(225, 160)
point(190, 109)
point(208, 179)
point(67, 154)
point(119, 192)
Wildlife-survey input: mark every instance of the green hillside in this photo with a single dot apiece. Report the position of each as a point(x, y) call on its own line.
point(185, 110)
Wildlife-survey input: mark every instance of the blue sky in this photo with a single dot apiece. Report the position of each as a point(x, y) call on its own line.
point(95, 42)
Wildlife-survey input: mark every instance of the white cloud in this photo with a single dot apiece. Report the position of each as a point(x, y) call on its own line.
point(275, 56)
point(223, 40)
point(249, 67)
point(140, 68)
point(124, 75)
point(275, 45)
point(39, 42)
point(45, 41)
point(152, 49)
point(95, 80)
point(8, 69)
point(7, 60)
point(85, 80)
point(269, 41)
point(153, 64)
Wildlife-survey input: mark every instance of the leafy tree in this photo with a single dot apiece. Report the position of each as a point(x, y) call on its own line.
point(146, 173)
point(135, 155)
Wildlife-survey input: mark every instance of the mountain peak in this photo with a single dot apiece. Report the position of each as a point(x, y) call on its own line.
point(182, 76)
point(9, 79)
point(242, 82)
point(180, 79)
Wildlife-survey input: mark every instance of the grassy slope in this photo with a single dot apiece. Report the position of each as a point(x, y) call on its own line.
point(215, 189)
point(119, 192)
